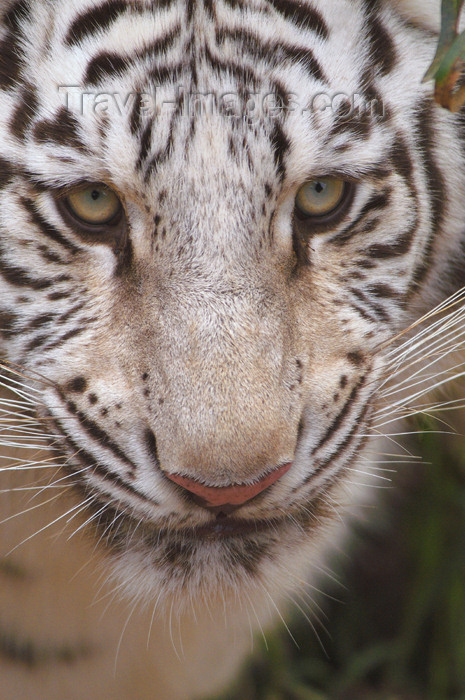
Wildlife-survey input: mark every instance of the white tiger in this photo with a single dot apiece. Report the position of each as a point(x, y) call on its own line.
point(196, 349)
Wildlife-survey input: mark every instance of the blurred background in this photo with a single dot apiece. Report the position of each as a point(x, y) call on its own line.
point(392, 626)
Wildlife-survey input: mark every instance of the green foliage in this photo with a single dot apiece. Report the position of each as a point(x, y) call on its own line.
point(449, 62)
point(398, 629)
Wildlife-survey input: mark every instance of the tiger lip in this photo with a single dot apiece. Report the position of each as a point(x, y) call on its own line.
point(224, 527)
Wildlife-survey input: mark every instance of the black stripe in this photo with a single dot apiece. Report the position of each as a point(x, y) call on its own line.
point(73, 333)
point(24, 112)
point(33, 656)
point(434, 180)
point(8, 321)
point(57, 296)
point(366, 316)
point(104, 65)
point(383, 291)
point(377, 202)
point(346, 121)
point(72, 312)
point(11, 60)
point(402, 162)
point(151, 444)
point(97, 433)
point(7, 171)
point(301, 15)
point(19, 277)
point(135, 118)
point(39, 321)
point(210, 8)
point(162, 154)
point(244, 75)
point(47, 229)
point(94, 20)
point(380, 313)
point(273, 52)
point(401, 159)
point(36, 342)
point(321, 465)
point(336, 424)
point(62, 130)
point(190, 10)
point(110, 64)
point(382, 251)
point(145, 143)
point(87, 460)
point(50, 256)
point(383, 53)
point(280, 144)
point(165, 74)
point(235, 4)
point(17, 13)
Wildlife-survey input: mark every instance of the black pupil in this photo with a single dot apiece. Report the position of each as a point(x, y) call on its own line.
point(95, 195)
point(319, 187)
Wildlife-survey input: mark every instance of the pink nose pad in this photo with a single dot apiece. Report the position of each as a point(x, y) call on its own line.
point(235, 495)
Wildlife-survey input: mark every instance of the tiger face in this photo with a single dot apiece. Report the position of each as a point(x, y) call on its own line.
point(214, 218)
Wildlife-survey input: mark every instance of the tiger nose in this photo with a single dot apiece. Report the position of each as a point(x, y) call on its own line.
point(227, 497)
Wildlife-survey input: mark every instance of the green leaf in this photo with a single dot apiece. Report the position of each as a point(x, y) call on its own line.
point(449, 61)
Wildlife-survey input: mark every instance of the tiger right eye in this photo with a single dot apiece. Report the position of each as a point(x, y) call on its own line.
point(94, 204)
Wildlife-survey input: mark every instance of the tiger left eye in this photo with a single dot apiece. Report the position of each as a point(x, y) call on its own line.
point(321, 197)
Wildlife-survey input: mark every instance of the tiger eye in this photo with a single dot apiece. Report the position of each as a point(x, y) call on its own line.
point(94, 204)
point(320, 197)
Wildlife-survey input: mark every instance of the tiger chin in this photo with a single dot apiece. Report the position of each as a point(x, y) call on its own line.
point(220, 225)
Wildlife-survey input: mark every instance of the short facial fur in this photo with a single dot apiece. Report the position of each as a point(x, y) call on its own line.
point(211, 336)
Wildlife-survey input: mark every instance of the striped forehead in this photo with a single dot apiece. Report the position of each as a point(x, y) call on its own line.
point(133, 43)
point(291, 49)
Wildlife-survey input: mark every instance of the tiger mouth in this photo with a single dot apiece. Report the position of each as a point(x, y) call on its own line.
point(225, 527)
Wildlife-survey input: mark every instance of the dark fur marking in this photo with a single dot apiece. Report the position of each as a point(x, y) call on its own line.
point(66, 336)
point(280, 144)
point(435, 182)
point(108, 64)
point(77, 385)
point(390, 250)
point(383, 291)
point(301, 15)
point(355, 358)
point(40, 321)
point(24, 112)
point(98, 434)
point(7, 322)
point(378, 201)
point(151, 444)
point(335, 425)
point(87, 460)
point(7, 172)
point(95, 20)
point(11, 61)
point(47, 229)
point(344, 444)
point(62, 130)
point(273, 52)
point(57, 296)
point(105, 65)
point(20, 278)
point(380, 313)
point(383, 51)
